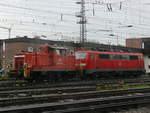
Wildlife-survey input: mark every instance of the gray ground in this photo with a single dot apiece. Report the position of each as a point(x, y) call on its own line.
point(138, 110)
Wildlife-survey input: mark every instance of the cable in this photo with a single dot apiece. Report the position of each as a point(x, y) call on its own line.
point(32, 9)
point(112, 23)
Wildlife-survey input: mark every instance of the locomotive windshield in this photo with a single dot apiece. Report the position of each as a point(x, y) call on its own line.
point(80, 55)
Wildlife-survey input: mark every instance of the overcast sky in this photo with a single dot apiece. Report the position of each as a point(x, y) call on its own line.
point(56, 19)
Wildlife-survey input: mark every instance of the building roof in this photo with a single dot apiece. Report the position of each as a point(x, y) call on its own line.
point(143, 39)
point(35, 40)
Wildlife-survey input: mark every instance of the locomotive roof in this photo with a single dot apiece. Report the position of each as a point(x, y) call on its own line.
point(58, 47)
point(104, 52)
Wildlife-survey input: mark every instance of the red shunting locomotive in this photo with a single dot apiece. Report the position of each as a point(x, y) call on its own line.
point(53, 63)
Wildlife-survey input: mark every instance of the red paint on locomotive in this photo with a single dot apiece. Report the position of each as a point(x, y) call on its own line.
point(93, 61)
point(47, 59)
point(53, 60)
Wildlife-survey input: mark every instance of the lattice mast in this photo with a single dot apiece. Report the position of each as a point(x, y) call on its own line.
point(82, 22)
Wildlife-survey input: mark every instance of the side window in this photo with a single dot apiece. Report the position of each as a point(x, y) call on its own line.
point(50, 50)
point(119, 57)
point(116, 57)
point(71, 52)
point(133, 57)
point(58, 52)
point(61, 52)
point(124, 57)
point(104, 56)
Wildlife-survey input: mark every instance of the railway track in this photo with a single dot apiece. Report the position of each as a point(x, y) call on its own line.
point(7, 79)
point(50, 97)
point(21, 84)
point(76, 102)
point(102, 105)
point(53, 88)
point(30, 92)
point(71, 96)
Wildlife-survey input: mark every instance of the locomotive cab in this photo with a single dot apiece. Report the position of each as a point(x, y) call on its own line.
point(18, 65)
point(81, 61)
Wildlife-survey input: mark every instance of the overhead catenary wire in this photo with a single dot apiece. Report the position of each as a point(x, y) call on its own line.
point(43, 15)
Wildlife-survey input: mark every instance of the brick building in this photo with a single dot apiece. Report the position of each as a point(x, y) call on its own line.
point(135, 43)
point(141, 43)
point(138, 43)
point(1, 53)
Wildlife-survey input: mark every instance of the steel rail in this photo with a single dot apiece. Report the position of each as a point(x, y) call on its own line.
point(85, 104)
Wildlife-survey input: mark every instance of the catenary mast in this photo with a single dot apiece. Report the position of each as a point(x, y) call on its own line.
point(82, 22)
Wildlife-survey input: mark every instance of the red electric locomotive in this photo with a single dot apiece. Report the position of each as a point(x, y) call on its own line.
point(53, 63)
point(95, 63)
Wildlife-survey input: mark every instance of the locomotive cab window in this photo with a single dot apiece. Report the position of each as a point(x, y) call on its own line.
point(104, 56)
point(50, 50)
point(133, 57)
point(61, 52)
point(80, 55)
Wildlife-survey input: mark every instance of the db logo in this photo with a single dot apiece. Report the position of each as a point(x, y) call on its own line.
point(119, 64)
point(59, 60)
